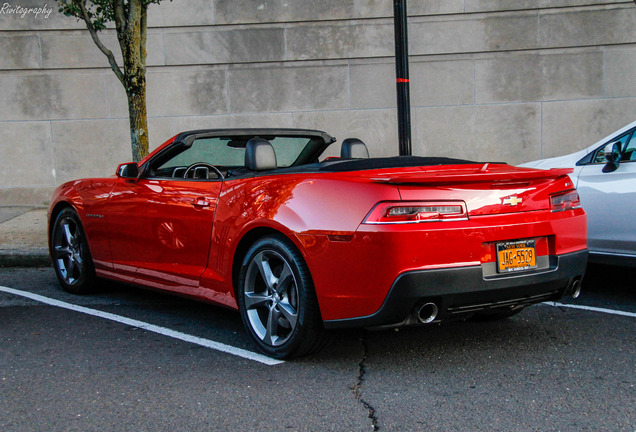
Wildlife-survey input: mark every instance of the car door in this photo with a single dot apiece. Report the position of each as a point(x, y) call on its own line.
point(160, 229)
point(161, 224)
point(607, 196)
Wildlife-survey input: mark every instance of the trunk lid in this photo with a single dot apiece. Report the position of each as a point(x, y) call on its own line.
point(485, 188)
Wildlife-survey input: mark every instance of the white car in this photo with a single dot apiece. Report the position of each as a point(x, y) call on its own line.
point(605, 176)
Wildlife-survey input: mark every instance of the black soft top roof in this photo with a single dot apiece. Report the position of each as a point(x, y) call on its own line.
point(391, 162)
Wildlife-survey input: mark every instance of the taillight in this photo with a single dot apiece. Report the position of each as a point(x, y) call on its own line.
point(565, 201)
point(416, 211)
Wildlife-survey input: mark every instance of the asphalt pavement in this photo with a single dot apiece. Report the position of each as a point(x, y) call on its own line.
point(550, 368)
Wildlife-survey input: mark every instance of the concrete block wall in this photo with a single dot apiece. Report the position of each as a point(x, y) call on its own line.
point(490, 79)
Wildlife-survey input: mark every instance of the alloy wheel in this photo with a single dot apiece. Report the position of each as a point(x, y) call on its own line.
point(68, 251)
point(271, 298)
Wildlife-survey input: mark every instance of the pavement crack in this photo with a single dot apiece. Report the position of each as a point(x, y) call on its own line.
point(357, 389)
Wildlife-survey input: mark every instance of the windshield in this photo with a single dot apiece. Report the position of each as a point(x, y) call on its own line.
point(228, 151)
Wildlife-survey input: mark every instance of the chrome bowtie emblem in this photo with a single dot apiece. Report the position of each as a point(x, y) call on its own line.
point(512, 200)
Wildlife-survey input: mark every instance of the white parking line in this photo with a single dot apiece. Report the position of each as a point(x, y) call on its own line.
point(593, 309)
point(148, 327)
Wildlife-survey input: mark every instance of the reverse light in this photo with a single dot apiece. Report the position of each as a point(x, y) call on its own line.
point(565, 201)
point(416, 211)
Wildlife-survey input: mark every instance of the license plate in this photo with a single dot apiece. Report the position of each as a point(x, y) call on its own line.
point(516, 256)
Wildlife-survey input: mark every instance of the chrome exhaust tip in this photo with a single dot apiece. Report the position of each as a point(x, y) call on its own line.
point(427, 313)
point(575, 291)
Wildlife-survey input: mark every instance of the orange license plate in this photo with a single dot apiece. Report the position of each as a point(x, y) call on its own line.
point(516, 256)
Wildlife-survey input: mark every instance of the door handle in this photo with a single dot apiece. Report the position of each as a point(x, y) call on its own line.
point(202, 202)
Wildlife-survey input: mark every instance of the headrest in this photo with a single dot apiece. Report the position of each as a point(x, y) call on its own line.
point(353, 148)
point(259, 155)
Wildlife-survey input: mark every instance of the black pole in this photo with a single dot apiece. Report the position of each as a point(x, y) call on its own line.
point(402, 76)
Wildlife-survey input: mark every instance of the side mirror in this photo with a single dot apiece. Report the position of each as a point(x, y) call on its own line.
point(128, 170)
point(613, 156)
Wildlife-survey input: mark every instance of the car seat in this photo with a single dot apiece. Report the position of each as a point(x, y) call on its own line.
point(353, 148)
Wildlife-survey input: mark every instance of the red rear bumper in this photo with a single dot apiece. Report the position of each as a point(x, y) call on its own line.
point(354, 279)
point(463, 290)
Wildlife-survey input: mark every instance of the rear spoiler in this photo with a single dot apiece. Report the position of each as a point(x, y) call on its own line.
point(485, 173)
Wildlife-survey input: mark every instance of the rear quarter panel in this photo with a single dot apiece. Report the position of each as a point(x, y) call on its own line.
point(307, 210)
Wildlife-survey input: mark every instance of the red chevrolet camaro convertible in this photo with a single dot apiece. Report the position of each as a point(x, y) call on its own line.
point(255, 220)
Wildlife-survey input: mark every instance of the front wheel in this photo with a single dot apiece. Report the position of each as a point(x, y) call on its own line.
point(70, 253)
point(277, 301)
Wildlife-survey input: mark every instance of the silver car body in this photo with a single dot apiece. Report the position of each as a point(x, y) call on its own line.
point(608, 194)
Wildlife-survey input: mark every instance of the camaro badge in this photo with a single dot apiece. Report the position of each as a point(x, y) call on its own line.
point(512, 200)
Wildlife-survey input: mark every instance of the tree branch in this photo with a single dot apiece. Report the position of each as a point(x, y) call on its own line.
point(108, 53)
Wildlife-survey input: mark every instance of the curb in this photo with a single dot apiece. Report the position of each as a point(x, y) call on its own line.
point(36, 257)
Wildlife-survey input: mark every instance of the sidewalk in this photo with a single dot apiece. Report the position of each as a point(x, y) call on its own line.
point(23, 238)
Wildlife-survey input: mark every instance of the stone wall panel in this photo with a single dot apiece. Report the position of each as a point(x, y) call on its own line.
point(342, 40)
point(539, 77)
point(442, 82)
point(504, 32)
point(178, 93)
point(181, 13)
point(620, 79)
point(211, 46)
point(509, 133)
point(248, 11)
point(27, 155)
point(20, 52)
point(506, 5)
point(275, 89)
point(51, 96)
point(563, 28)
point(372, 85)
point(278, 120)
point(433, 7)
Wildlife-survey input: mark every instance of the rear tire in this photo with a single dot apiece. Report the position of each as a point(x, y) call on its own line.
point(277, 301)
point(70, 254)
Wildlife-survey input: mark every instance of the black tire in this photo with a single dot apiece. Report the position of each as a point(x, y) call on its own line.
point(496, 314)
point(277, 301)
point(70, 254)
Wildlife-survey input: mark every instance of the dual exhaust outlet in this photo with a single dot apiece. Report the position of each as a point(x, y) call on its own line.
point(427, 312)
point(575, 289)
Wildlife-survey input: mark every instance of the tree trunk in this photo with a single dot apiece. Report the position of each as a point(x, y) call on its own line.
point(131, 32)
point(138, 118)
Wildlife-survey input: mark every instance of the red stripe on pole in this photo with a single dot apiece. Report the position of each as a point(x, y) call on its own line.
point(402, 80)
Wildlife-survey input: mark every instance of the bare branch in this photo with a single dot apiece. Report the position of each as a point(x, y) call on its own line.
point(108, 53)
